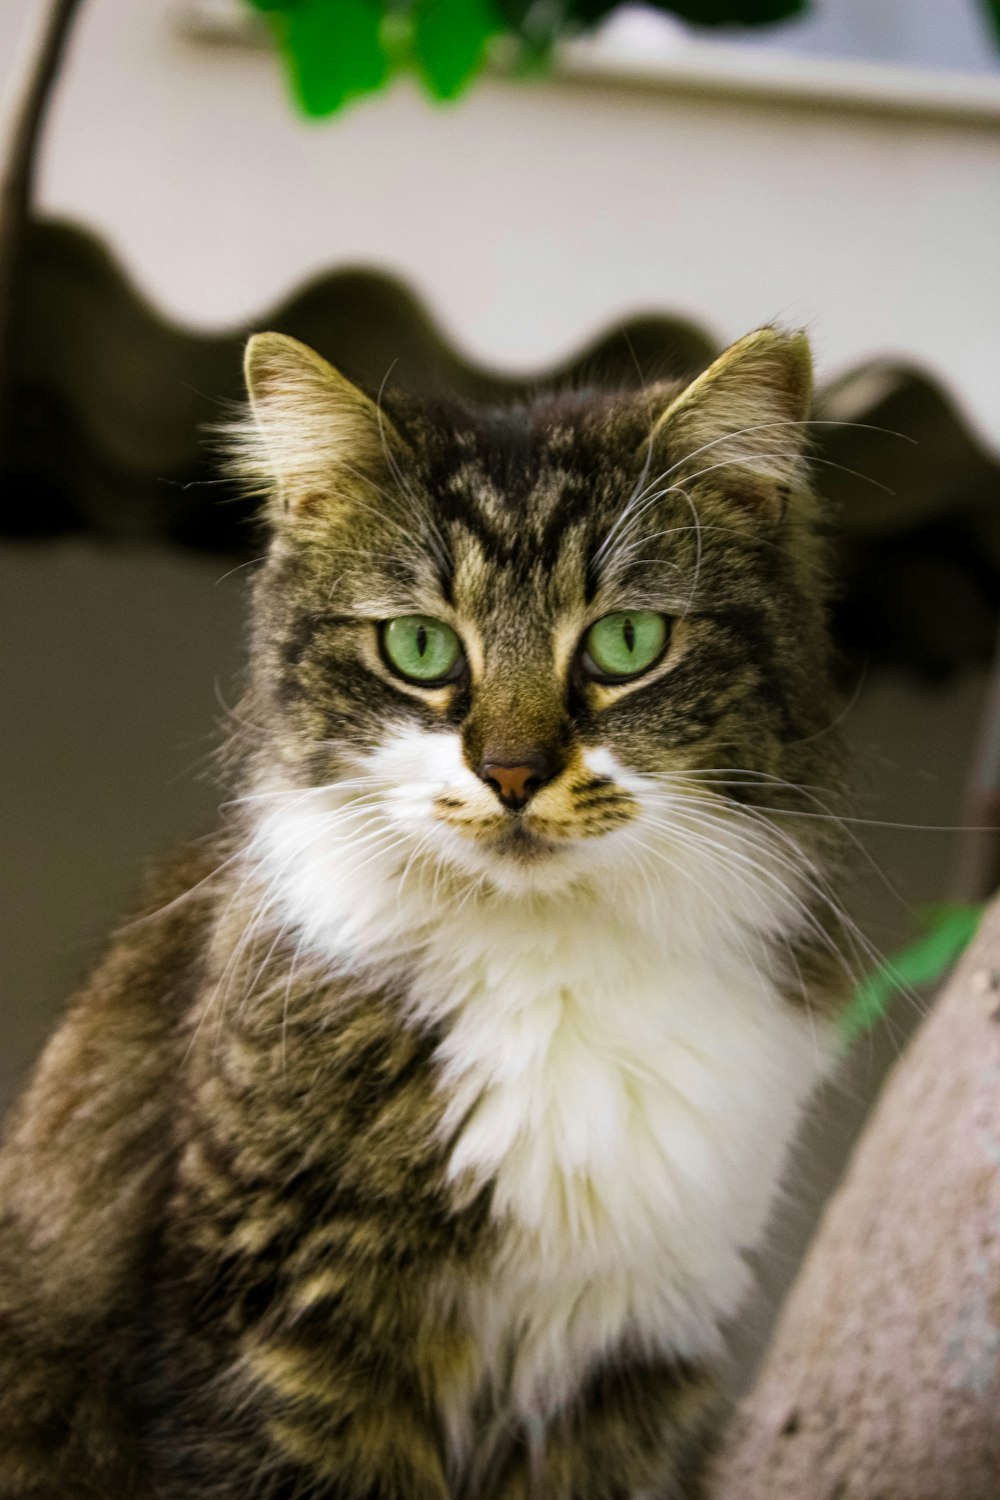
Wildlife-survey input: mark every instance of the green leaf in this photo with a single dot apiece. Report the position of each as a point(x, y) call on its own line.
point(450, 38)
point(948, 930)
point(332, 49)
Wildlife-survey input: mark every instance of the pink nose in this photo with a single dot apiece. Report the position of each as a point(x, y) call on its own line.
point(514, 785)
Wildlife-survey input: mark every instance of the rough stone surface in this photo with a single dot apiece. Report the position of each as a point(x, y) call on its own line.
point(882, 1381)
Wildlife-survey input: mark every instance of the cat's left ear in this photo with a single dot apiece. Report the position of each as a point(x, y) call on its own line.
point(316, 438)
point(743, 423)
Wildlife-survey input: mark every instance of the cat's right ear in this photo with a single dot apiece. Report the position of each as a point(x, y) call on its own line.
point(315, 439)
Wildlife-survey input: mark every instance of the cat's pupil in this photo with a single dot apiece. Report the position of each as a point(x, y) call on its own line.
point(628, 630)
point(421, 640)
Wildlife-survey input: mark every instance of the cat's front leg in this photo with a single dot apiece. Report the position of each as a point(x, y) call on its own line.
point(637, 1431)
point(328, 1441)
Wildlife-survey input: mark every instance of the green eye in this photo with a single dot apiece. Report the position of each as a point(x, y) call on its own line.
point(421, 648)
point(625, 644)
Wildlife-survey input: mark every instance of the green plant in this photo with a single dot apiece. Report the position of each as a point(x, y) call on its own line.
point(335, 50)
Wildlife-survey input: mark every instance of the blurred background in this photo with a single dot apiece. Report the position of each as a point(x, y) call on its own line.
point(656, 192)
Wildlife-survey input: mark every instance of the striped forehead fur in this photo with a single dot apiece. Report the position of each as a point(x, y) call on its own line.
point(309, 430)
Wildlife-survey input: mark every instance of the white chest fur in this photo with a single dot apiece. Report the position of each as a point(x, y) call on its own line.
point(618, 1065)
point(632, 1100)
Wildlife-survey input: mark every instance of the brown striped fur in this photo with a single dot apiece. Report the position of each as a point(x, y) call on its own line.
point(227, 1237)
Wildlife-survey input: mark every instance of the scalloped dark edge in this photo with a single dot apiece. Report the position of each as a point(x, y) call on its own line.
point(104, 431)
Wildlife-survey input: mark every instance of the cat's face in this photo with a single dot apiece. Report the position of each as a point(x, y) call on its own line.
point(507, 644)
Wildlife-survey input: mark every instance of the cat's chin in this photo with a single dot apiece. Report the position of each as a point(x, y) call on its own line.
point(519, 844)
point(514, 877)
point(516, 862)
point(523, 867)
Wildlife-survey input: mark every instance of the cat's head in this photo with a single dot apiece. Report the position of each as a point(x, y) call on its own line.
point(506, 643)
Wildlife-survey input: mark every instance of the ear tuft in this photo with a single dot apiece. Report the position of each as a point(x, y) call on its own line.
point(748, 412)
point(311, 434)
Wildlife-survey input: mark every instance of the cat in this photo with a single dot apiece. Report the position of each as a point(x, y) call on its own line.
point(410, 1143)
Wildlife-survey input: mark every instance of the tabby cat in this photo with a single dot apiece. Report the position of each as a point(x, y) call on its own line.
point(409, 1146)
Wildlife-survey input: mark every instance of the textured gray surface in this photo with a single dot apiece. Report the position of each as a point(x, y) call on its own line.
point(884, 1376)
